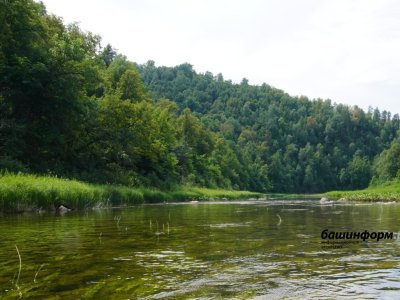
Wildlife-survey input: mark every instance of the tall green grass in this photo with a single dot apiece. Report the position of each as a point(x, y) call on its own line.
point(205, 193)
point(22, 192)
point(389, 191)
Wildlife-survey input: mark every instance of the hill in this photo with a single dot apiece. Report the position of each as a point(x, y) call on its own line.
point(306, 145)
point(71, 107)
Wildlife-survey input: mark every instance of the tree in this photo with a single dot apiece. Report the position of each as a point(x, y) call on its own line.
point(131, 87)
point(108, 54)
point(357, 175)
point(386, 166)
point(47, 71)
point(117, 68)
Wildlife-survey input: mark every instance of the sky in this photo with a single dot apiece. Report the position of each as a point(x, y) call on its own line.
point(344, 50)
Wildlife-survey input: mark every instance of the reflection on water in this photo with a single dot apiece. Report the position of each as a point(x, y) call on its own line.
point(242, 250)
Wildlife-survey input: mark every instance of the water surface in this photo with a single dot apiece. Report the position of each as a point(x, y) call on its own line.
point(228, 250)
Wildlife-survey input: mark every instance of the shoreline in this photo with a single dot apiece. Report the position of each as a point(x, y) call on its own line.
point(28, 193)
point(385, 192)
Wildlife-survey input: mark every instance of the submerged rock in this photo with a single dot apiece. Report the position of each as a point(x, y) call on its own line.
point(63, 209)
point(325, 200)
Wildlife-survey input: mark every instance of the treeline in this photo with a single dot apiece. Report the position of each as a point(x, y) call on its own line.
point(304, 145)
point(70, 107)
point(73, 108)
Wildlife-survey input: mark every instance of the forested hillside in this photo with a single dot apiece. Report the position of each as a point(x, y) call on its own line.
point(307, 145)
point(70, 106)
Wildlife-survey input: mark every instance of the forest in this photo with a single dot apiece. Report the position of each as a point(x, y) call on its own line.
point(305, 145)
point(74, 108)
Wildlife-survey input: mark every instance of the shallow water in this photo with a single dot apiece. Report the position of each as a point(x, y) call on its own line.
point(232, 250)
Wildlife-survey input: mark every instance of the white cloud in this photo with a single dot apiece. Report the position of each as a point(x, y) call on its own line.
point(345, 50)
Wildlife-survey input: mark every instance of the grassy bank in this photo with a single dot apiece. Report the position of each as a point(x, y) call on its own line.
point(389, 191)
point(21, 192)
point(281, 196)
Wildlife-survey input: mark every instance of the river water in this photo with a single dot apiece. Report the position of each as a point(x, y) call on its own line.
point(211, 250)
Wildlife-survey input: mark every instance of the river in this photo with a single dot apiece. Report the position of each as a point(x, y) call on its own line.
point(209, 250)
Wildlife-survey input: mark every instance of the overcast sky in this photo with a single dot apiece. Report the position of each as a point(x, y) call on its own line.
point(344, 50)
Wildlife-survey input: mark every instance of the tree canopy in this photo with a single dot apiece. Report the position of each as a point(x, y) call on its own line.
point(71, 107)
point(303, 145)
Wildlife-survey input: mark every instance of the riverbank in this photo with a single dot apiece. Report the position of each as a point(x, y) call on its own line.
point(389, 191)
point(22, 192)
point(282, 196)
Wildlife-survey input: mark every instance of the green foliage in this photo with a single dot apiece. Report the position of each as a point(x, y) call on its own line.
point(388, 191)
point(21, 192)
point(282, 143)
point(154, 196)
point(27, 192)
point(357, 174)
point(47, 75)
point(73, 108)
point(10, 164)
point(216, 193)
point(108, 54)
point(386, 166)
point(130, 86)
point(117, 68)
